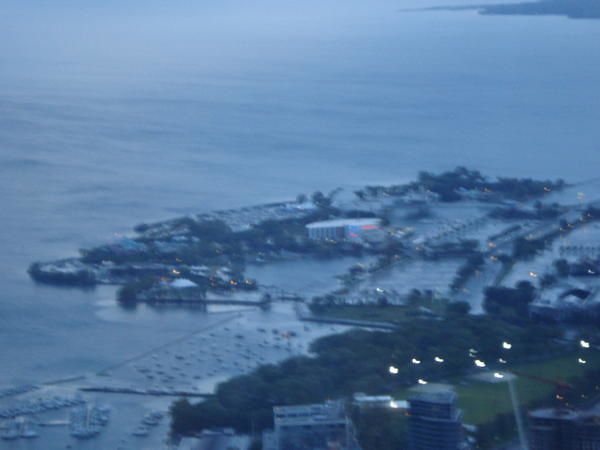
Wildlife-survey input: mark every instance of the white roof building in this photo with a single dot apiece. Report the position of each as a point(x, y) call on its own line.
point(182, 283)
point(341, 229)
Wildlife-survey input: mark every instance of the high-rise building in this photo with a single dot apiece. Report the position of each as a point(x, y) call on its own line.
point(434, 421)
point(560, 429)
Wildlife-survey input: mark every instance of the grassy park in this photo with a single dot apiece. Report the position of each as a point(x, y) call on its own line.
point(481, 401)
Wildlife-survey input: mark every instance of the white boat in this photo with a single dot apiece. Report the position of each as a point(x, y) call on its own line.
point(12, 432)
point(28, 431)
point(141, 431)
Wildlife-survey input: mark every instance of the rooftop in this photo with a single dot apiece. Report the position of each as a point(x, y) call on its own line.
point(224, 439)
point(441, 397)
point(182, 283)
point(345, 222)
point(565, 414)
point(333, 411)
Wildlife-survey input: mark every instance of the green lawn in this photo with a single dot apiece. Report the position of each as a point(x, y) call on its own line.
point(482, 401)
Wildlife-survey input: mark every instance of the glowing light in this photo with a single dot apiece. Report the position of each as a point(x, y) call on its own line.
point(533, 274)
point(479, 363)
point(498, 375)
point(393, 370)
point(501, 361)
point(506, 345)
point(394, 404)
point(421, 381)
point(415, 361)
point(581, 361)
point(584, 344)
point(437, 359)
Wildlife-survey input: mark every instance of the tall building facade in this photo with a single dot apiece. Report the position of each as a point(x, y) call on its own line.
point(435, 422)
point(555, 429)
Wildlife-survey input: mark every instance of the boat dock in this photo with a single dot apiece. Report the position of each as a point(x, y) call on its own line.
point(304, 314)
point(206, 302)
point(349, 322)
point(149, 392)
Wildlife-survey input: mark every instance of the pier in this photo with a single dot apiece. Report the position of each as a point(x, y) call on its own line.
point(149, 392)
point(206, 302)
point(353, 323)
point(304, 314)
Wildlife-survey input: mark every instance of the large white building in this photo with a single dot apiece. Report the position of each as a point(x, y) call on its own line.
point(344, 229)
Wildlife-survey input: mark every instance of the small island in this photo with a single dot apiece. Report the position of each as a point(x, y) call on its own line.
point(197, 259)
point(573, 9)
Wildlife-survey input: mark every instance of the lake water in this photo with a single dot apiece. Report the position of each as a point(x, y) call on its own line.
point(135, 111)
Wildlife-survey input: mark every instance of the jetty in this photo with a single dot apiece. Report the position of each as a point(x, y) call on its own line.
point(149, 392)
point(205, 302)
point(304, 314)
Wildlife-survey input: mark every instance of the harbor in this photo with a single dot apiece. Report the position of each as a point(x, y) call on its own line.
point(124, 405)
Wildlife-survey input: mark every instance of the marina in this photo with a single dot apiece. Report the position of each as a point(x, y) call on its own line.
point(87, 421)
point(229, 343)
point(38, 406)
point(20, 428)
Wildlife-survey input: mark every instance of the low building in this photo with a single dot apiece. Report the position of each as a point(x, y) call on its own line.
point(378, 401)
point(419, 197)
point(182, 283)
point(566, 301)
point(561, 429)
point(323, 426)
point(345, 229)
point(221, 439)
